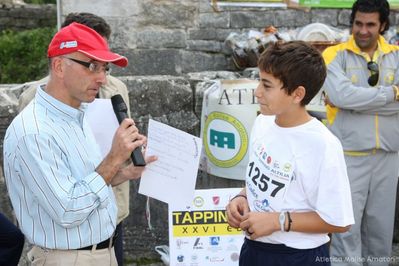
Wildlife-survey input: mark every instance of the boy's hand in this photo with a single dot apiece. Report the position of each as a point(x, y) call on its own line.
point(257, 224)
point(235, 210)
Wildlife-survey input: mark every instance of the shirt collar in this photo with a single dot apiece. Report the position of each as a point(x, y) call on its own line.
point(382, 45)
point(57, 107)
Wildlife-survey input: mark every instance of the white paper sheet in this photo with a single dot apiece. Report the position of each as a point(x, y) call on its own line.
point(102, 120)
point(172, 177)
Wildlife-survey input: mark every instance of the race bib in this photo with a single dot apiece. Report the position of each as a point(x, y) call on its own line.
point(269, 174)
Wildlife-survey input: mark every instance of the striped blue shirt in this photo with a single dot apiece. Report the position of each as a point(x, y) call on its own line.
point(50, 157)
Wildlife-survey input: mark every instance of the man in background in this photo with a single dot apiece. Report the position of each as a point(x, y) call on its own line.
point(363, 112)
point(110, 88)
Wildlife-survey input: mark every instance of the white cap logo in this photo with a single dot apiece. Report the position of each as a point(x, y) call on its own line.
point(70, 44)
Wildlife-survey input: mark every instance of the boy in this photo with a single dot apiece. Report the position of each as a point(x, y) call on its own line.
point(297, 189)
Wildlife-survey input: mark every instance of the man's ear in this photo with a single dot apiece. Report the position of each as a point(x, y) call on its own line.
point(57, 66)
point(299, 93)
point(382, 27)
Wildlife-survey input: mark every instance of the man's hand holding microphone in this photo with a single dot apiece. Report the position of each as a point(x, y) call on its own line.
point(127, 143)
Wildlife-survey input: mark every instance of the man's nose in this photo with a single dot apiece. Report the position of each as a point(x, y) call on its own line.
point(364, 29)
point(101, 77)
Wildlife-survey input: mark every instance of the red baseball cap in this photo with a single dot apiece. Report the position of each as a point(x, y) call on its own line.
point(79, 38)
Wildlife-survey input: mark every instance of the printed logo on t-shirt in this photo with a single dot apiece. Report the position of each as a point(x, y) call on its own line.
point(263, 205)
point(269, 174)
point(272, 164)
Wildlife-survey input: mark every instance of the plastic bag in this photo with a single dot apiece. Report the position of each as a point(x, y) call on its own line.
point(163, 250)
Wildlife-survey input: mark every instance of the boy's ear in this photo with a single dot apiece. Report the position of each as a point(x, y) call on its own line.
point(299, 93)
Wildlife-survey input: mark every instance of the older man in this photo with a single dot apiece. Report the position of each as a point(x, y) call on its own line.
point(110, 88)
point(60, 188)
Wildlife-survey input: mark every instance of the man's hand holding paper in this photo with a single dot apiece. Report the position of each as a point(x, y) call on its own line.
point(172, 177)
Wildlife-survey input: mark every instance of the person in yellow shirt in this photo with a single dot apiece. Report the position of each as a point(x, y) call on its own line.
point(363, 112)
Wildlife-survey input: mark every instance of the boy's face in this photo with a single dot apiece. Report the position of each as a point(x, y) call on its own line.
point(272, 98)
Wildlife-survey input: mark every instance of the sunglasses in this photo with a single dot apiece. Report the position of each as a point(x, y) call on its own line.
point(375, 73)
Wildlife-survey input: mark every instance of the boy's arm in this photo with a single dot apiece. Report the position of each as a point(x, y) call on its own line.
point(311, 222)
point(259, 224)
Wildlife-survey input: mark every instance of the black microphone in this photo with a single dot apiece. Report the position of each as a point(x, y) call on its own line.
point(120, 110)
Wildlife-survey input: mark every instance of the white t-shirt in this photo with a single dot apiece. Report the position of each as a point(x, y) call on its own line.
point(298, 169)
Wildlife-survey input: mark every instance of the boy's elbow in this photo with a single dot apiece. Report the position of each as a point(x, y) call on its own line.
point(342, 229)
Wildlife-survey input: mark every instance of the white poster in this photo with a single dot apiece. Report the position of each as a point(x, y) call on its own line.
point(228, 111)
point(200, 235)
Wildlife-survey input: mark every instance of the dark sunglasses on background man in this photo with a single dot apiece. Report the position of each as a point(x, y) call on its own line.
point(375, 73)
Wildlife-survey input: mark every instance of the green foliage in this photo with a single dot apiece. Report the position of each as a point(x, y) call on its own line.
point(39, 2)
point(23, 54)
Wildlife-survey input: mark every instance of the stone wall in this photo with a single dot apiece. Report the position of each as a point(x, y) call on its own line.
point(173, 37)
point(25, 17)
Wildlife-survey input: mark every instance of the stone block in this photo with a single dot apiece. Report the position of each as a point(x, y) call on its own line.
point(214, 20)
point(151, 62)
point(209, 34)
point(123, 34)
point(28, 17)
point(8, 110)
point(292, 18)
point(6, 22)
point(152, 38)
point(221, 34)
point(158, 95)
point(200, 61)
point(344, 17)
point(169, 62)
point(103, 8)
point(252, 19)
point(168, 14)
point(326, 16)
point(202, 34)
point(205, 46)
point(3, 12)
point(206, 7)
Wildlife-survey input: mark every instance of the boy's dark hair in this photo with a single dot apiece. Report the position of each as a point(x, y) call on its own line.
point(295, 63)
point(371, 6)
point(90, 20)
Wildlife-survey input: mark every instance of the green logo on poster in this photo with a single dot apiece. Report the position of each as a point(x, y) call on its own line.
point(225, 139)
